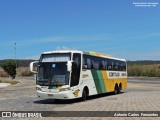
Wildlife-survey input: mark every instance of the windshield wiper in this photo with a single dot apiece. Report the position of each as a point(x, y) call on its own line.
point(55, 82)
point(42, 82)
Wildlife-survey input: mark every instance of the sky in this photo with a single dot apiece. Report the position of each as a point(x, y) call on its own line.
point(119, 28)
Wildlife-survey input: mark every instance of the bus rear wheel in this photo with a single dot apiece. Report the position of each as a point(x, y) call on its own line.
point(120, 88)
point(116, 89)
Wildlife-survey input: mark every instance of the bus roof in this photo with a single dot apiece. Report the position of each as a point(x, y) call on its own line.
point(102, 55)
point(87, 53)
point(63, 51)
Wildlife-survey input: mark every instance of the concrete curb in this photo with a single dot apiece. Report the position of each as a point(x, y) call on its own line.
point(4, 84)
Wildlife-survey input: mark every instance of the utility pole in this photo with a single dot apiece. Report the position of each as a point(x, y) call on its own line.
point(15, 54)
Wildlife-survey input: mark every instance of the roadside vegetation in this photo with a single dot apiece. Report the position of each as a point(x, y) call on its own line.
point(9, 67)
point(12, 82)
point(26, 73)
point(21, 72)
point(3, 73)
point(145, 69)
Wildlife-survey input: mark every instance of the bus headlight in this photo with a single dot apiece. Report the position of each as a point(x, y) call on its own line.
point(64, 89)
point(39, 89)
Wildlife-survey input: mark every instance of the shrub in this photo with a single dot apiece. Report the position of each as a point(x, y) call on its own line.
point(144, 70)
point(9, 81)
point(10, 67)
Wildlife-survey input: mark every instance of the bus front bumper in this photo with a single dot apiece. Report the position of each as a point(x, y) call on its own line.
point(58, 95)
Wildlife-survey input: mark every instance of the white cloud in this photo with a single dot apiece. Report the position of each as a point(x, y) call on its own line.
point(64, 48)
point(83, 38)
point(140, 56)
point(73, 38)
point(151, 54)
point(34, 57)
point(99, 38)
point(141, 36)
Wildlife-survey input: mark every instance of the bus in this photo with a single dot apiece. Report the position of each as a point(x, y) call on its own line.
point(69, 74)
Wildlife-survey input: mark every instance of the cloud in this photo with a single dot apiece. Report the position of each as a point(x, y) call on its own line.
point(83, 38)
point(151, 54)
point(141, 56)
point(65, 48)
point(34, 57)
point(27, 42)
point(99, 37)
point(142, 36)
point(74, 38)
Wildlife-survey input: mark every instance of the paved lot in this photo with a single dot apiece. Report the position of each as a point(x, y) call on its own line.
point(141, 95)
point(4, 84)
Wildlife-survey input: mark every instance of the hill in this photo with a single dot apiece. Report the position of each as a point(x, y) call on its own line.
point(143, 62)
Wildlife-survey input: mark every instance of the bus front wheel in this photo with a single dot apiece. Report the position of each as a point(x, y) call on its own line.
point(84, 94)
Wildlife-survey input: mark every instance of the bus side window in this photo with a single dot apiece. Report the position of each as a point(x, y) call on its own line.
point(120, 66)
point(124, 66)
point(95, 63)
point(109, 65)
point(115, 65)
point(89, 64)
point(102, 64)
point(85, 62)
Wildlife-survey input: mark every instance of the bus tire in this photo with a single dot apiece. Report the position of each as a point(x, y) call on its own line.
point(57, 100)
point(119, 88)
point(116, 89)
point(84, 94)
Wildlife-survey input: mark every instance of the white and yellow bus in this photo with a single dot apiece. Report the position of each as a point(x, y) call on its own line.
point(69, 74)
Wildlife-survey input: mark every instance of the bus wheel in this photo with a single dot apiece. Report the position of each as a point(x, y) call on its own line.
point(119, 88)
point(84, 95)
point(57, 100)
point(116, 89)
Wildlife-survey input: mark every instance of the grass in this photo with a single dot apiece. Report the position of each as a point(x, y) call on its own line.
point(12, 82)
point(144, 70)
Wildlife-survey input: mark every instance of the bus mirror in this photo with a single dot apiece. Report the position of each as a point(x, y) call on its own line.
point(69, 66)
point(32, 67)
point(85, 66)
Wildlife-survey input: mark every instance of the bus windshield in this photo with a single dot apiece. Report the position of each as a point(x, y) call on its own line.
point(53, 73)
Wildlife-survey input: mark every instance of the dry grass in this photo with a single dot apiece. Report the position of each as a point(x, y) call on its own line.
point(144, 70)
point(21, 71)
point(13, 82)
point(3, 73)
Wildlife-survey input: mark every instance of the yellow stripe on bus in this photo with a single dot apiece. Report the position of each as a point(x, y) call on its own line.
point(105, 78)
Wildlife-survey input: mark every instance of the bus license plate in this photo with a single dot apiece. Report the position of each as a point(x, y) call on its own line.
point(50, 95)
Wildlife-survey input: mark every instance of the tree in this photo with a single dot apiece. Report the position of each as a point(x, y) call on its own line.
point(10, 67)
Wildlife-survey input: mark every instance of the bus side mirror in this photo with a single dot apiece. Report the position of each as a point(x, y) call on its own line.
point(69, 66)
point(85, 66)
point(32, 66)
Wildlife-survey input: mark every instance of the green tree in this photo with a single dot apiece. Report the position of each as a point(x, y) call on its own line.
point(10, 67)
